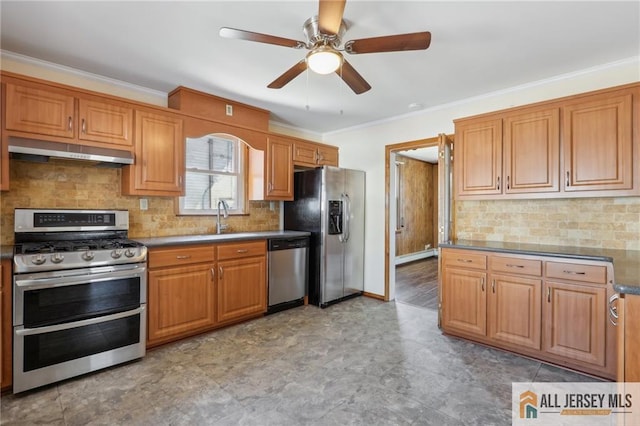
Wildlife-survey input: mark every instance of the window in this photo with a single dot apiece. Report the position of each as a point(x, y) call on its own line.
point(214, 172)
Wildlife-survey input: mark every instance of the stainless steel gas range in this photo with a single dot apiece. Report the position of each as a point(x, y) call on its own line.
point(79, 294)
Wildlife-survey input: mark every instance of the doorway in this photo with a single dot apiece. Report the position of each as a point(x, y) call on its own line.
point(418, 217)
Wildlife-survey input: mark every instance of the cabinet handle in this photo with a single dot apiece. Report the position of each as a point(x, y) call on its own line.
point(510, 265)
point(242, 251)
point(613, 310)
point(568, 181)
point(180, 181)
point(182, 257)
point(508, 182)
point(269, 187)
point(482, 283)
point(465, 260)
point(84, 126)
point(574, 272)
point(70, 124)
point(220, 272)
point(213, 274)
point(316, 156)
point(549, 294)
point(498, 183)
point(493, 286)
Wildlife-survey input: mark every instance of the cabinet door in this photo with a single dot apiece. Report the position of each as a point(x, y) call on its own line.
point(630, 318)
point(327, 156)
point(532, 152)
point(574, 321)
point(305, 154)
point(180, 300)
point(279, 170)
point(104, 122)
point(479, 157)
point(39, 111)
point(514, 307)
point(159, 151)
point(464, 306)
point(242, 288)
point(597, 140)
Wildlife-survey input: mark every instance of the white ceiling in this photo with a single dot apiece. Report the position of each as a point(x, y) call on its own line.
point(477, 47)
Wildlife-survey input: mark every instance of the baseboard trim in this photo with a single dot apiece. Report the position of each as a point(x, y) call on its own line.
point(406, 258)
point(374, 296)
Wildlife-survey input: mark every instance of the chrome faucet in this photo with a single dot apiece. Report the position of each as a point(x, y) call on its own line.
point(219, 226)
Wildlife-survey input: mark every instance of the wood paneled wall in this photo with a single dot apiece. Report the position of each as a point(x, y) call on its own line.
point(418, 192)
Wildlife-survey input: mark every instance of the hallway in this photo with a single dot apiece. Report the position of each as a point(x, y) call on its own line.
point(417, 283)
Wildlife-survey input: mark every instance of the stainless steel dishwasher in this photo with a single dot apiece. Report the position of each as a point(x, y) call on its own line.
point(288, 272)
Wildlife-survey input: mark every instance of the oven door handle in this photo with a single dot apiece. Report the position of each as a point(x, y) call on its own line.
point(61, 281)
point(76, 324)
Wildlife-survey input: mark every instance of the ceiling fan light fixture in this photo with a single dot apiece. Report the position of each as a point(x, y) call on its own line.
point(324, 60)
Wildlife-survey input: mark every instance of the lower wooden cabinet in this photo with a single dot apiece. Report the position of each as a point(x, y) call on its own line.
point(575, 320)
point(242, 288)
point(464, 301)
point(195, 288)
point(551, 309)
point(514, 311)
point(628, 338)
point(181, 300)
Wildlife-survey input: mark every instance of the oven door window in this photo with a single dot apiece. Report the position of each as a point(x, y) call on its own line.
point(58, 305)
point(43, 350)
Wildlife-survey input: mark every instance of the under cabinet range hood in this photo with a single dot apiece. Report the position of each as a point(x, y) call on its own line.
point(40, 151)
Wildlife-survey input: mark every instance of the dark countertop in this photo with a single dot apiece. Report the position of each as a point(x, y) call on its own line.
point(626, 263)
point(218, 238)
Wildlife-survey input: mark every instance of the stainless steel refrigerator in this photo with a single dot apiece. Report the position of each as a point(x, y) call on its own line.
point(329, 203)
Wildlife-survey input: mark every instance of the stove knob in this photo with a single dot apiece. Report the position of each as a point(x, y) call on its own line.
point(38, 259)
point(129, 252)
point(116, 254)
point(57, 257)
point(88, 255)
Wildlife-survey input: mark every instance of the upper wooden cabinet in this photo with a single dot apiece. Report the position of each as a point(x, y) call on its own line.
point(598, 143)
point(271, 172)
point(309, 154)
point(479, 157)
point(159, 151)
point(37, 111)
point(532, 152)
point(105, 122)
point(516, 153)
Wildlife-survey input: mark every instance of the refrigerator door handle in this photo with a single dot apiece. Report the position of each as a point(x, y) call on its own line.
point(347, 217)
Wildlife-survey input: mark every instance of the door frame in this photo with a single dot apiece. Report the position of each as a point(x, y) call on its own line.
point(389, 149)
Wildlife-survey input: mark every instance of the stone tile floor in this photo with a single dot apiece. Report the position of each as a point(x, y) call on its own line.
point(358, 362)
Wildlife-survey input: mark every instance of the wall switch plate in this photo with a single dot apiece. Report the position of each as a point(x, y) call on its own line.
point(144, 204)
point(229, 109)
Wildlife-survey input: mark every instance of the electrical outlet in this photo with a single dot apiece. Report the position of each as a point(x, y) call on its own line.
point(144, 204)
point(229, 110)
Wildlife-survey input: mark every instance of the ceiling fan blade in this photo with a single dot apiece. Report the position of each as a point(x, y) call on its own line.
point(330, 16)
point(288, 75)
point(393, 43)
point(261, 38)
point(354, 80)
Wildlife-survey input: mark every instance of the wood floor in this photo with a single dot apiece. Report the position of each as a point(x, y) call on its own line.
point(417, 283)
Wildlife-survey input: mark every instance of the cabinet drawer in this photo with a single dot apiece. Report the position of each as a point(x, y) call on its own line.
point(172, 256)
point(576, 272)
point(514, 265)
point(465, 260)
point(240, 250)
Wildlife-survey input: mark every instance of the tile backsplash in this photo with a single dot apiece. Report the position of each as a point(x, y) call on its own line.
point(70, 184)
point(590, 222)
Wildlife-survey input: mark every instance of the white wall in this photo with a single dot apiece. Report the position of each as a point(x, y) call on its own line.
point(364, 147)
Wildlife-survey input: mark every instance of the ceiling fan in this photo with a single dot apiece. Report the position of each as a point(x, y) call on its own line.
point(324, 34)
